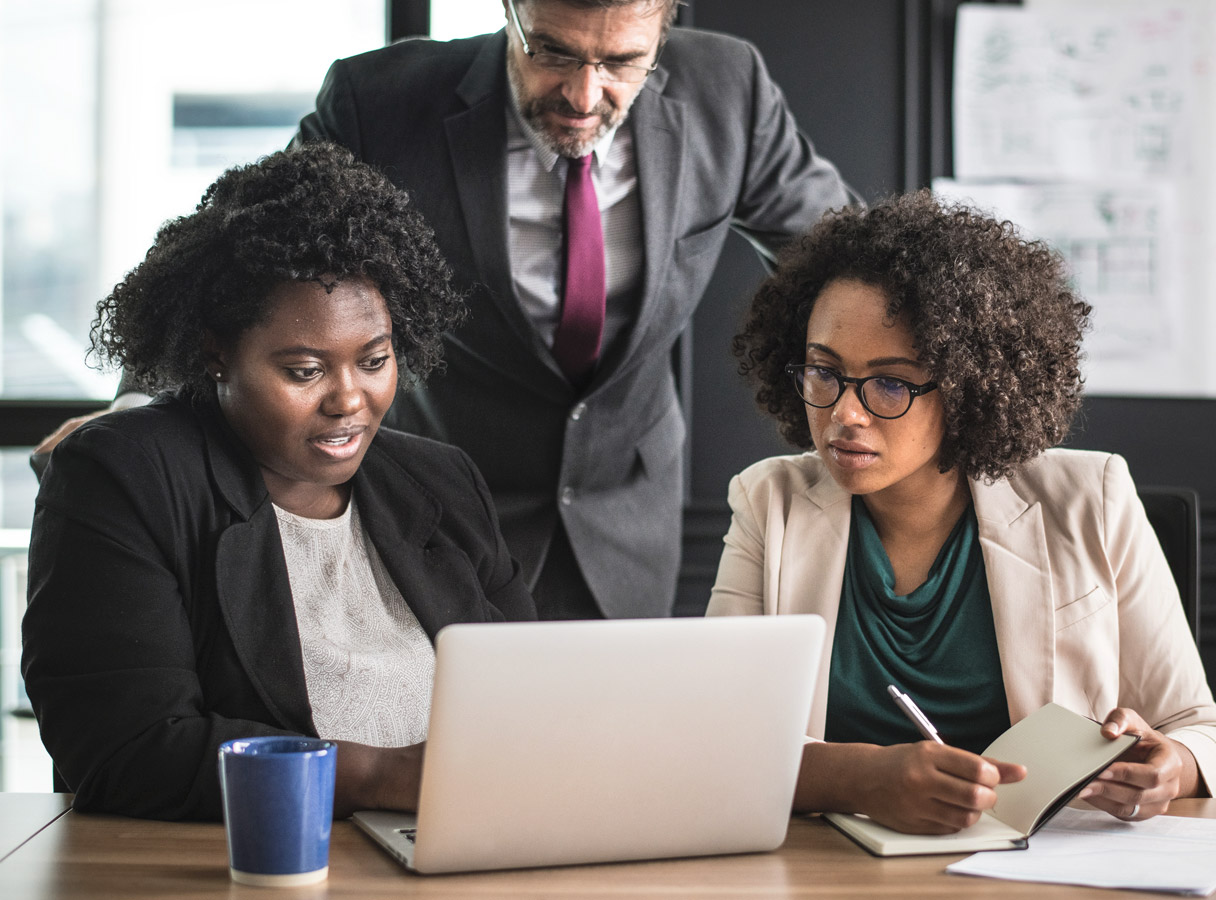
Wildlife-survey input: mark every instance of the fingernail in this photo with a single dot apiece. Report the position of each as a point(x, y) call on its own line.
point(1087, 791)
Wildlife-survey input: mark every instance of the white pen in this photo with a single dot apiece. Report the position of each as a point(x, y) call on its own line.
point(912, 711)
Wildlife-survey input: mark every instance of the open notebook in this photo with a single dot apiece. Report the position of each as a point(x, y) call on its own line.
point(1062, 752)
point(554, 743)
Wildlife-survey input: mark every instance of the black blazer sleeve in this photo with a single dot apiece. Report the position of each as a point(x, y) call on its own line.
point(110, 647)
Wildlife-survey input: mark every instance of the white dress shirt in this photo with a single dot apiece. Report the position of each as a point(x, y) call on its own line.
point(368, 663)
point(536, 186)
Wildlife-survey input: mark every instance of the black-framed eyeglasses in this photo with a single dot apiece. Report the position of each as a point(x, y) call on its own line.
point(881, 395)
point(628, 73)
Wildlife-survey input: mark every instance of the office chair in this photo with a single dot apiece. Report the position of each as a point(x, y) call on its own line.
point(1174, 514)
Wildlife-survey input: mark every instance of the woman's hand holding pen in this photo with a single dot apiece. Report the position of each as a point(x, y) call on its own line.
point(920, 788)
point(1147, 777)
point(931, 788)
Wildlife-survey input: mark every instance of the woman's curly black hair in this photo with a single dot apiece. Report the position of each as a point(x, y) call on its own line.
point(296, 215)
point(993, 317)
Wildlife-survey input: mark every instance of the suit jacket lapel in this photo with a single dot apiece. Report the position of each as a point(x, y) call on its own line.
point(1014, 544)
point(400, 515)
point(433, 572)
point(658, 132)
point(252, 586)
point(477, 145)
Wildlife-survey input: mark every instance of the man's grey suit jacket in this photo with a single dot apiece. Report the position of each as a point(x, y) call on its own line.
point(716, 148)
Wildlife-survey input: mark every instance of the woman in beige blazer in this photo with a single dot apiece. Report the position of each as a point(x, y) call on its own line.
point(928, 357)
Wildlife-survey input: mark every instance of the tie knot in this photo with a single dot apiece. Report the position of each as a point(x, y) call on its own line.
point(582, 163)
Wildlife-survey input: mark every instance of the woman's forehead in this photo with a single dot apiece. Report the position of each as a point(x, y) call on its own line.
point(317, 310)
point(853, 315)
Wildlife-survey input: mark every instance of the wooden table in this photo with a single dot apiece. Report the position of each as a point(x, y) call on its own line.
point(90, 856)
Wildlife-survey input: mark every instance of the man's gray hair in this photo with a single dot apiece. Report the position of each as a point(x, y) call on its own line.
point(667, 7)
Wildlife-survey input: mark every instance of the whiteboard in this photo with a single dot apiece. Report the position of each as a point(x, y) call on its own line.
point(1089, 124)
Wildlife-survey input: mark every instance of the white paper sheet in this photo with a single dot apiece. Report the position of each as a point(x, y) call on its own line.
point(1073, 94)
point(1091, 123)
point(1085, 847)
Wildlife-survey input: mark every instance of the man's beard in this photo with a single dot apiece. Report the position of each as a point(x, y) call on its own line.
point(571, 143)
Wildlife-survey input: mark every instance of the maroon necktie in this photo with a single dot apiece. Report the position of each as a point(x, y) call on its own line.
point(576, 344)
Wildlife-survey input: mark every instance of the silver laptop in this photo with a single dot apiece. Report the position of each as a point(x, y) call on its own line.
point(556, 743)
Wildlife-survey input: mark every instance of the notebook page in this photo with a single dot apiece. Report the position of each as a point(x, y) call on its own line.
point(1059, 749)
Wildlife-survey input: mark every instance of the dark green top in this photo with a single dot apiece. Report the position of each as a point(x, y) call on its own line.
point(937, 644)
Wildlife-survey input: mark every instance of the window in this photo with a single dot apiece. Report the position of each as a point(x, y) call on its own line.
point(116, 115)
point(463, 18)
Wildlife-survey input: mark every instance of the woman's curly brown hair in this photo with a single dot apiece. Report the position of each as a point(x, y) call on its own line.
point(296, 215)
point(994, 320)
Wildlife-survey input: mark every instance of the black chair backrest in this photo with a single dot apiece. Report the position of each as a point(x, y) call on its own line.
point(1174, 514)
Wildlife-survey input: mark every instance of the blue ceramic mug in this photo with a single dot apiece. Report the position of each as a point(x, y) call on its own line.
point(278, 808)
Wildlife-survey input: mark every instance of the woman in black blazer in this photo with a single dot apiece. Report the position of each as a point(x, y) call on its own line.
point(250, 554)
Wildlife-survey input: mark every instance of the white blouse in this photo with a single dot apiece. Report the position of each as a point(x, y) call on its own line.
point(368, 663)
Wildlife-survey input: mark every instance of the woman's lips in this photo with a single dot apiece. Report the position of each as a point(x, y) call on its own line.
point(851, 455)
point(339, 445)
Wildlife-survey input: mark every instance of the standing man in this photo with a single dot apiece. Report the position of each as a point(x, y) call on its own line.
point(581, 169)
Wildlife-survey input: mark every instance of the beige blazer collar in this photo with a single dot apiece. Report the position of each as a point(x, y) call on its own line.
point(1014, 544)
point(811, 570)
point(816, 539)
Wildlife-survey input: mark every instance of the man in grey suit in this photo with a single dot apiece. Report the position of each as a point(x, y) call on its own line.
point(687, 137)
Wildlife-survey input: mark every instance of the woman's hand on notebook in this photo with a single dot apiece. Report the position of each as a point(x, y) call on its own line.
point(1147, 777)
point(921, 788)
